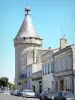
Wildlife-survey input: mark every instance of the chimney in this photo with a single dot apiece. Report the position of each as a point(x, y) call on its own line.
point(63, 43)
point(49, 48)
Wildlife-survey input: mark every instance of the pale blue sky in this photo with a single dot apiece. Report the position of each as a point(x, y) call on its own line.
point(48, 17)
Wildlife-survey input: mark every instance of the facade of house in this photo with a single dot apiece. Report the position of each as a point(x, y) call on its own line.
point(47, 70)
point(63, 67)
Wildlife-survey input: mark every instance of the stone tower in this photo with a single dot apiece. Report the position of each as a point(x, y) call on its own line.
point(26, 37)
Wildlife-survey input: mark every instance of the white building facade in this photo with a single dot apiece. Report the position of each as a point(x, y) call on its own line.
point(47, 70)
point(64, 71)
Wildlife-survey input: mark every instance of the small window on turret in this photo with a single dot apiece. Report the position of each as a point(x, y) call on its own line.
point(24, 38)
point(36, 38)
point(16, 39)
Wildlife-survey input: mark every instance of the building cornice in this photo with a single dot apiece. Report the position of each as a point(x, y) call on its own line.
point(62, 50)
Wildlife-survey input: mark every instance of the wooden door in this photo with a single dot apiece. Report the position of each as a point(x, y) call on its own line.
point(62, 85)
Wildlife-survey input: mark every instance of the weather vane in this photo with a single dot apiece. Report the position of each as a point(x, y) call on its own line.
point(27, 9)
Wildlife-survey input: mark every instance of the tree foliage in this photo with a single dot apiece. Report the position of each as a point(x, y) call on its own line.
point(3, 81)
point(11, 86)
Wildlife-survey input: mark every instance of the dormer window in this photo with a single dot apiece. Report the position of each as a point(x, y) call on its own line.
point(30, 37)
point(16, 39)
point(36, 38)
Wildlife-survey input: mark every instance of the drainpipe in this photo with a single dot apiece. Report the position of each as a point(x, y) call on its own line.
point(53, 74)
point(72, 74)
point(26, 71)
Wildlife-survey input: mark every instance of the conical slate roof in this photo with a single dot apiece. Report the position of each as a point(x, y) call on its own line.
point(27, 29)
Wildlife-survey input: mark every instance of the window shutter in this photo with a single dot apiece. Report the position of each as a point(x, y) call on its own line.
point(63, 64)
point(59, 65)
point(47, 68)
point(69, 62)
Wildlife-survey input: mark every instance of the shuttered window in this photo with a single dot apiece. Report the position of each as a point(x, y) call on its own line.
point(68, 83)
point(69, 62)
point(59, 65)
point(63, 64)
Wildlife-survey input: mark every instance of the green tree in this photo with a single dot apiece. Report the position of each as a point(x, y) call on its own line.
point(10, 85)
point(13, 87)
point(3, 81)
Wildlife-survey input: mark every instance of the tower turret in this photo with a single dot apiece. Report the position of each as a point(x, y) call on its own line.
point(26, 37)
